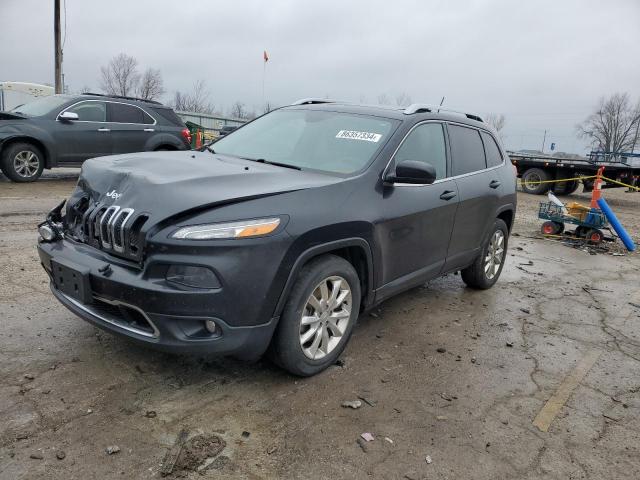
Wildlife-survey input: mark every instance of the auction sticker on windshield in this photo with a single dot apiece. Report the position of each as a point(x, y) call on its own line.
point(353, 135)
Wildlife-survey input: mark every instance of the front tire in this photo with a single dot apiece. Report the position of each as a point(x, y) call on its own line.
point(22, 162)
point(485, 271)
point(319, 316)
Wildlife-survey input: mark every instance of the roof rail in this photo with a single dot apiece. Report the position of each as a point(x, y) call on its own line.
point(122, 96)
point(425, 108)
point(312, 101)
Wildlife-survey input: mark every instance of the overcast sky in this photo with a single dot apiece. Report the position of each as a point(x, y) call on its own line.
point(543, 64)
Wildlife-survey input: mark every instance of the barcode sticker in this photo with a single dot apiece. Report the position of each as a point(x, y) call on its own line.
point(353, 135)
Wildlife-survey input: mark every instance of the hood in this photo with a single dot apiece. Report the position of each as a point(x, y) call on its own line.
point(11, 116)
point(164, 184)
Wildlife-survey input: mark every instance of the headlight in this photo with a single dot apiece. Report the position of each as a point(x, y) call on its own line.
point(243, 229)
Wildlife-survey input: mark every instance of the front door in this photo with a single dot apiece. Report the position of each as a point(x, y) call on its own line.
point(415, 239)
point(86, 137)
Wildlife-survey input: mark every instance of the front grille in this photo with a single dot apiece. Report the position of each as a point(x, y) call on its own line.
point(109, 228)
point(123, 315)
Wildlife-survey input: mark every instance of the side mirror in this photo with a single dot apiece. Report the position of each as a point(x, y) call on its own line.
point(68, 116)
point(411, 171)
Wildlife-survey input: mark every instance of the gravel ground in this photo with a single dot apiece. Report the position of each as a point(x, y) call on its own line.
point(454, 378)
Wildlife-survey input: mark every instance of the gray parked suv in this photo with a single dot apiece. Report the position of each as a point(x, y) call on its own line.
point(65, 130)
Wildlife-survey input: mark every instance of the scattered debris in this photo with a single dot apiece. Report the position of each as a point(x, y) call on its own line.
point(150, 414)
point(355, 404)
point(634, 305)
point(170, 459)
point(441, 350)
point(199, 452)
point(387, 439)
point(271, 450)
point(89, 411)
point(474, 359)
point(60, 455)
point(373, 314)
point(448, 398)
point(367, 436)
point(245, 434)
point(369, 401)
point(509, 344)
point(428, 459)
point(339, 363)
point(111, 449)
point(29, 376)
point(36, 456)
point(525, 310)
point(363, 445)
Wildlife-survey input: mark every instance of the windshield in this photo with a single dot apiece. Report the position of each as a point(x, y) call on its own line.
point(334, 142)
point(41, 106)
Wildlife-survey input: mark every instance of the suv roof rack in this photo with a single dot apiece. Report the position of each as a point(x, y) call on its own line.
point(426, 108)
point(123, 97)
point(312, 101)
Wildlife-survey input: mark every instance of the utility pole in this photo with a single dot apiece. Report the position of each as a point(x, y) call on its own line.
point(57, 46)
point(544, 139)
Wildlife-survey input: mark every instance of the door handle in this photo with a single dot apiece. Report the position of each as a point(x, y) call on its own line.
point(104, 129)
point(149, 130)
point(495, 184)
point(448, 195)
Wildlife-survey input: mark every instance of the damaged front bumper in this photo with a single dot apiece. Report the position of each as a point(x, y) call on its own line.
point(137, 304)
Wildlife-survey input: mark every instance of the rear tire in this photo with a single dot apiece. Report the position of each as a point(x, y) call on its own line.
point(485, 270)
point(22, 162)
point(535, 175)
point(595, 236)
point(566, 188)
point(312, 333)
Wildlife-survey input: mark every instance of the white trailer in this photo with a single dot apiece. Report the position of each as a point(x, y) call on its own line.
point(13, 94)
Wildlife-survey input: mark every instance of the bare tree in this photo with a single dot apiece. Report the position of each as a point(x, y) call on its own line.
point(497, 121)
point(198, 100)
point(383, 99)
point(267, 107)
point(150, 86)
point(120, 76)
point(85, 89)
point(238, 110)
point(613, 127)
point(403, 99)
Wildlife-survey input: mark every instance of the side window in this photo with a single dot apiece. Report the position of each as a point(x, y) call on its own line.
point(123, 113)
point(425, 144)
point(494, 157)
point(467, 151)
point(90, 111)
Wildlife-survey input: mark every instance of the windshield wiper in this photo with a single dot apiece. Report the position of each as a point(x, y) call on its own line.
point(277, 164)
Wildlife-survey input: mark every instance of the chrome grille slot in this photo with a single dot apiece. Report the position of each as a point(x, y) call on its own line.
point(94, 235)
point(119, 221)
point(105, 226)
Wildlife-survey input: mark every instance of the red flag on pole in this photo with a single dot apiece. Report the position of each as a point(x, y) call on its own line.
point(265, 56)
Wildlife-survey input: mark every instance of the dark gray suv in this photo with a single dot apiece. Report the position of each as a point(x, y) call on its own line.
point(65, 130)
point(276, 237)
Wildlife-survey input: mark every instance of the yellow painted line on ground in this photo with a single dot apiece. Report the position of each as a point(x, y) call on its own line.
point(556, 402)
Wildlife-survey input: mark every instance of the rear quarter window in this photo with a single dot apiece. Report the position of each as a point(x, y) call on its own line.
point(467, 150)
point(123, 113)
point(494, 157)
point(169, 116)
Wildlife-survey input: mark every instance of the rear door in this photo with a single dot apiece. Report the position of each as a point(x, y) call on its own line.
point(131, 127)
point(87, 137)
point(479, 188)
point(415, 237)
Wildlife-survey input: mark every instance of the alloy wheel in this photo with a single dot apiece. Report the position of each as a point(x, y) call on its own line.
point(495, 255)
point(325, 317)
point(26, 163)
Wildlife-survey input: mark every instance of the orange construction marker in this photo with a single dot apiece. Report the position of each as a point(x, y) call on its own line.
point(597, 192)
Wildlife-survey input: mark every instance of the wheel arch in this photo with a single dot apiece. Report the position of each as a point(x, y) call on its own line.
point(356, 251)
point(507, 215)
point(27, 139)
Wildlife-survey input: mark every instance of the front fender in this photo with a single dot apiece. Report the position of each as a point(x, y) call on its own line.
point(302, 257)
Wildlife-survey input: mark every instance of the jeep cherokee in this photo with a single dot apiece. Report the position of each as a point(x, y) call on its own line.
point(276, 237)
